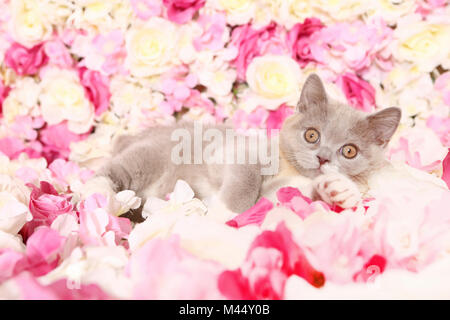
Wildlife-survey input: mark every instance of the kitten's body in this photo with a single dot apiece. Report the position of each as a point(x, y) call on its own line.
point(143, 163)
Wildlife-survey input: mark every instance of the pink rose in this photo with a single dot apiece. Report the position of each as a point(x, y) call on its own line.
point(271, 259)
point(57, 139)
point(96, 87)
point(25, 61)
point(252, 43)
point(276, 117)
point(359, 93)
point(299, 42)
point(4, 91)
point(182, 11)
point(45, 206)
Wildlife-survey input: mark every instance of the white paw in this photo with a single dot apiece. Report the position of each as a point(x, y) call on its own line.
point(335, 188)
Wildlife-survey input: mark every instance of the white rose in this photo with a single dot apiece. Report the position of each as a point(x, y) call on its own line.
point(13, 213)
point(274, 80)
point(63, 98)
point(424, 44)
point(237, 11)
point(293, 11)
point(103, 16)
point(22, 100)
point(29, 25)
point(151, 47)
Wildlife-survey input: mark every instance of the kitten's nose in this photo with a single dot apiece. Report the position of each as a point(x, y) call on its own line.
point(322, 160)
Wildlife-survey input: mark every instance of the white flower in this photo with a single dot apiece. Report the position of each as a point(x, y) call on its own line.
point(214, 73)
point(29, 25)
point(22, 100)
point(181, 200)
point(391, 10)
point(95, 15)
point(151, 47)
point(422, 43)
point(162, 215)
point(63, 98)
point(104, 266)
point(237, 11)
point(274, 80)
point(11, 241)
point(124, 201)
point(13, 213)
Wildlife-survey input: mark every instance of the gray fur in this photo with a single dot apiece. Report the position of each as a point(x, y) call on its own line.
point(142, 163)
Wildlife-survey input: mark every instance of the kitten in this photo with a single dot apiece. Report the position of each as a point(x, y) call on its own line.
point(328, 143)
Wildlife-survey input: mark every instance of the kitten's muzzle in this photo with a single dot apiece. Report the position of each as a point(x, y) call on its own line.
point(322, 160)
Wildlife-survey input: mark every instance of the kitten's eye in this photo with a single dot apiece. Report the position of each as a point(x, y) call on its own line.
point(312, 135)
point(349, 151)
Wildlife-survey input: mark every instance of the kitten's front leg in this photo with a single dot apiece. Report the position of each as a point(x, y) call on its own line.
point(335, 188)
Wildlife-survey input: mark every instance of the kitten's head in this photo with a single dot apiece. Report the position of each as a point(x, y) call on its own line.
point(323, 131)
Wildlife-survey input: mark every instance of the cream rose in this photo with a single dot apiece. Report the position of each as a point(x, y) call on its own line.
point(28, 24)
point(13, 213)
point(237, 11)
point(422, 43)
point(274, 80)
point(151, 47)
point(63, 98)
point(103, 16)
point(22, 100)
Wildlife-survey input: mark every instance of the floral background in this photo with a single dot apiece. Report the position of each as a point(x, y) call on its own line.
point(76, 74)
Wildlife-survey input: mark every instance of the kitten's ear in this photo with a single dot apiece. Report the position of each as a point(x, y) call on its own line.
point(313, 94)
point(383, 124)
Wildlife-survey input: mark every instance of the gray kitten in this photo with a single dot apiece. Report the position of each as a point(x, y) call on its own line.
point(333, 144)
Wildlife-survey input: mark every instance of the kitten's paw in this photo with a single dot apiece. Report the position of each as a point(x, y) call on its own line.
point(335, 188)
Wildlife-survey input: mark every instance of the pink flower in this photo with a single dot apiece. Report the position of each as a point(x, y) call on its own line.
point(63, 171)
point(57, 139)
point(31, 289)
point(256, 119)
point(254, 215)
point(299, 42)
point(58, 54)
point(43, 248)
point(276, 117)
point(252, 43)
point(11, 147)
point(440, 126)
point(145, 9)
point(271, 259)
point(442, 85)
point(11, 263)
point(446, 169)
point(182, 11)
point(359, 93)
point(213, 29)
point(411, 157)
point(373, 268)
point(25, 127)
point(161, 269)
point(110, 46)
point(25, 61)
point(96, 86)
point(4, 91)
point(97, 226)
point(303, 206)
point(45, 206)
